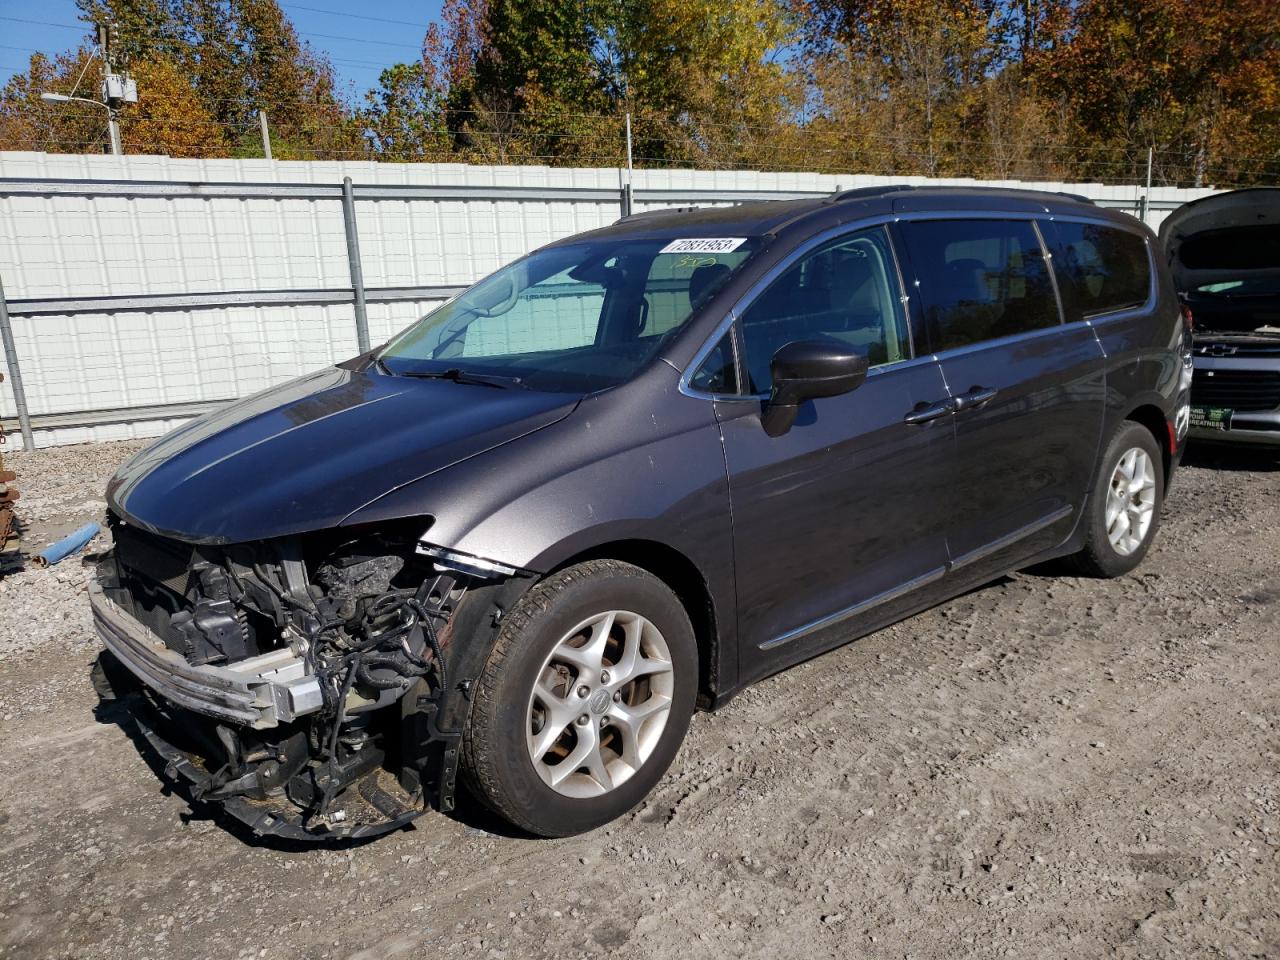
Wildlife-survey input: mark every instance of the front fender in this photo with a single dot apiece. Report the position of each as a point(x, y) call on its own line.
point(603, 474)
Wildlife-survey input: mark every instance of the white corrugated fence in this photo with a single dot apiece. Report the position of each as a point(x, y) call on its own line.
point(142, 290)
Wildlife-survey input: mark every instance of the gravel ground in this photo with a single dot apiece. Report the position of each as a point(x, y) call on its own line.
point(1041, 768)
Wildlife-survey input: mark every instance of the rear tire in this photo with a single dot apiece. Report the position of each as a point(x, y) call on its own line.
point(1123, 511)
point(584, 700)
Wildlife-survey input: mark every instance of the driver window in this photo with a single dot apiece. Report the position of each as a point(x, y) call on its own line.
point(846, 289)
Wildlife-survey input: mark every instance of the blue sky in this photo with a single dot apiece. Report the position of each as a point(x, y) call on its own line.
point(359, 39)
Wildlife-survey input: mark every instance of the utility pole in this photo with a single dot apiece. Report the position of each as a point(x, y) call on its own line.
point(118, 88)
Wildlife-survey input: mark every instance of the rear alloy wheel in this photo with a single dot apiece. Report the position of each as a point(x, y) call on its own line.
point(1123, 510)
point(584, 700)
point(1131, 501)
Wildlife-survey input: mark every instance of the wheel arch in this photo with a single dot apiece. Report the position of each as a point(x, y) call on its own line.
point(1152, 417)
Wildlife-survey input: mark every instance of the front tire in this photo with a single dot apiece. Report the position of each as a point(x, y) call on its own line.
point(1123, 512)
point(584, 700)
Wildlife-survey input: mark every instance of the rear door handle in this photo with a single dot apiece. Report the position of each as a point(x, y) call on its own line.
point(976, 397)
point(931, 412)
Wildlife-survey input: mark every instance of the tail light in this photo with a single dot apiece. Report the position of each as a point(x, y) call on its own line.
point(1188, 321)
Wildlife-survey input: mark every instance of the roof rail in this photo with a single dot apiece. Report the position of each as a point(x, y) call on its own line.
point(644, 214)
point(859, 193)
point(1078, 197)
point(879, 191)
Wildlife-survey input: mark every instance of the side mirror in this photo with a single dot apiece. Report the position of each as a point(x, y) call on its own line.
point(807, 370)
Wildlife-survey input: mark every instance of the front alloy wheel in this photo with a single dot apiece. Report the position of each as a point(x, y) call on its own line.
point(600, 704)
point(584, 699)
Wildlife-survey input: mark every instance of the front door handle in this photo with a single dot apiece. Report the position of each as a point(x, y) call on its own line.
point(976, 397)
point(931, 411)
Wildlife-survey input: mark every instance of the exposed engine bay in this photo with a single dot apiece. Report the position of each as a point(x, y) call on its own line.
point(303, 683)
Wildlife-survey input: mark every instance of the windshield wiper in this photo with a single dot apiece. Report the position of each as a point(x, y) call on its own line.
point(458, 375)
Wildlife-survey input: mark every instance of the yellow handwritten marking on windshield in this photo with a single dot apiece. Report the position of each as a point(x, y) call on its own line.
point(688, 261)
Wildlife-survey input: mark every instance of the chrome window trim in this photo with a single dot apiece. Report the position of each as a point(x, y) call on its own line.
point(883, 219)
point(765, 281)
point(1010, 339)
point(1047, 255)
point(1137, 227)
point(873, 372)
point(1139, 230)
point(685, 387)
point(904, 298)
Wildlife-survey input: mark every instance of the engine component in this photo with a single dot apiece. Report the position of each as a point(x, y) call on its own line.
point(213, 629)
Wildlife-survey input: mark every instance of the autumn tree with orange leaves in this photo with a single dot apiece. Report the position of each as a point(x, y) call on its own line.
point(1016, 89)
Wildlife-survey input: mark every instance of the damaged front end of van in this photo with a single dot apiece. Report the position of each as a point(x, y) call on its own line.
point(287, 658)
point(308, 705)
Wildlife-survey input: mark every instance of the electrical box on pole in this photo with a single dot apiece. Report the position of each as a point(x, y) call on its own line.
point(118, 88)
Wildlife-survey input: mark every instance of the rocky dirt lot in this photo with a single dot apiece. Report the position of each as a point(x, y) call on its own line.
point(1042, 768)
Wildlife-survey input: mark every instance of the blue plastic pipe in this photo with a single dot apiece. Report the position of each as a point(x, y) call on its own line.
point(68, 545)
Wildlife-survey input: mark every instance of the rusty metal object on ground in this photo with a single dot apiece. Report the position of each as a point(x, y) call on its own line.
point(8, 524)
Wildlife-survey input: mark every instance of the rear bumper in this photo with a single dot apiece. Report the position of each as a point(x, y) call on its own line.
point(1256, 438)
point(260, 692)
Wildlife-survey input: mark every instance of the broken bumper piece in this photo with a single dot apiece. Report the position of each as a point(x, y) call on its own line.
point(260, 692)
point(375, 806)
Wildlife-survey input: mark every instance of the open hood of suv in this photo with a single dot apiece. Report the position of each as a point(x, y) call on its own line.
point(1224, 252)
point(307, 454)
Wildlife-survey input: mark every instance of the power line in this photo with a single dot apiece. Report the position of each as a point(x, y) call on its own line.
point(355, 16)
point(381, 43)
point(321, 36)
point(46, 23)
point(29, 50)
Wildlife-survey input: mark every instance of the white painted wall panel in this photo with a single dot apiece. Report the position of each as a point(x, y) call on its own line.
point(97, 246)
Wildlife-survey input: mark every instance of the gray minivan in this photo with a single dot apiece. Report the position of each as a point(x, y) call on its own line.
point(631, 473)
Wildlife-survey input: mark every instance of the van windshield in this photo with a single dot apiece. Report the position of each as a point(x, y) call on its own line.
point(575, 318)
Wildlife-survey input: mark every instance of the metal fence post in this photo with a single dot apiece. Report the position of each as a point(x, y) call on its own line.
point(353, 259)
point(15, 375)
point(1146, 197)
point(626, 188)
point(266, 134)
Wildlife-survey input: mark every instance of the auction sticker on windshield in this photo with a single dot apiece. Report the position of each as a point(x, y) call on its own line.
point(1212, 418)
point(704, 245)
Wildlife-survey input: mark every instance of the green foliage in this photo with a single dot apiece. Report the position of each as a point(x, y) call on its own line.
point(404, 119)
point(217, 62)
point(1062, 89)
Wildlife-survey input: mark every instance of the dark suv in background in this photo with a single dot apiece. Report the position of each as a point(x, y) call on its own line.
point(632, 472)
point(1224, 253)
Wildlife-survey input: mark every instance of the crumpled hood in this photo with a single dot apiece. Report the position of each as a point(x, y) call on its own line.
point(309, 453)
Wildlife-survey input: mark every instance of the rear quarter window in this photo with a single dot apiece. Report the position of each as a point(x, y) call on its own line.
point(1108, 269)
